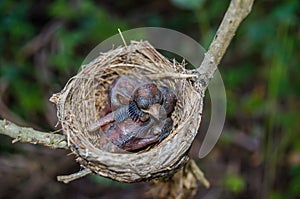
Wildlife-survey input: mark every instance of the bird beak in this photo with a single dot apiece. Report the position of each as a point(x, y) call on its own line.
point(154, 110)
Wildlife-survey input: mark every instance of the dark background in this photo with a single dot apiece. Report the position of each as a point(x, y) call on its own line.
point(43, 44)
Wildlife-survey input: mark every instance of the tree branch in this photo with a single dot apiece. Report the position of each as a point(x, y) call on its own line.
point(68, 178)
point(235, 14)
point(22, 134)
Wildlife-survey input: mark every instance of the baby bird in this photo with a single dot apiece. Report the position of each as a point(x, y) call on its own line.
point(132, 136)
point(140, 114)
point(146, 100)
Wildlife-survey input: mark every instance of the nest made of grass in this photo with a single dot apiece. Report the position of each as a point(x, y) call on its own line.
point(80, 102)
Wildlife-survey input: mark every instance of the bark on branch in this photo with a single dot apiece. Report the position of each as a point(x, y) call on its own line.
point(22, 134)
point(237, 11)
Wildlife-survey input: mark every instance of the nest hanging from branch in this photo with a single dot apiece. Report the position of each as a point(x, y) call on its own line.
point(85, 95)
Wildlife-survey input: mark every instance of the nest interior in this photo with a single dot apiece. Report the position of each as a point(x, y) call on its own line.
point(83, 97)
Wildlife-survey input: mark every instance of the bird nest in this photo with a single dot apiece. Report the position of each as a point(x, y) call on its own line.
point(85, 95)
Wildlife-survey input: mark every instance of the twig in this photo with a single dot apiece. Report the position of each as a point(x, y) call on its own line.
point(199, 174)
point(68, 178)
point(22, 134)
point(121, 35)
point(235, 14)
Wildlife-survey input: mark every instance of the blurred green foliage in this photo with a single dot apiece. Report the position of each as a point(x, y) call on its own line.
point(234, 183)
point(44, 43)
point(30, 70)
